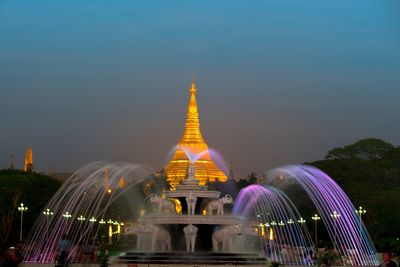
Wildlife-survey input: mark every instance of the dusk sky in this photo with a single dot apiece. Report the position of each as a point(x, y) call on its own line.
point(278, 81)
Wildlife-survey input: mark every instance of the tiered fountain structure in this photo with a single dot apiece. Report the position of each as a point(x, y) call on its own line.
point(202, 233)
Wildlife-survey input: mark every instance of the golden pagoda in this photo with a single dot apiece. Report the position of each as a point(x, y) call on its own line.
point(192, 142)
point(28, 163)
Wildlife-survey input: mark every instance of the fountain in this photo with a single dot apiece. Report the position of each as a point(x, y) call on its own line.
point(77, 212)
point(348, 234)
point(127, 207)
point(190, 225)
point(202, 215)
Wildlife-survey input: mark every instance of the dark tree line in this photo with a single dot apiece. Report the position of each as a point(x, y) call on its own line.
point(32, 189)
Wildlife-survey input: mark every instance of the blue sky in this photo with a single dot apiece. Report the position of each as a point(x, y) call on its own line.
point(278, 81)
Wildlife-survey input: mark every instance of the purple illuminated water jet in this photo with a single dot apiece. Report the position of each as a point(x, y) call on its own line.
point(276, 214)
point(83, 199)
point(336, 210)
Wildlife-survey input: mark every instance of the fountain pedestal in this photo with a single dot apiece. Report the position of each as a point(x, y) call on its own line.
point(200, 226)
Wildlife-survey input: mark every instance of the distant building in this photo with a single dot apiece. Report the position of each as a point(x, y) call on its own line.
point(28, 164)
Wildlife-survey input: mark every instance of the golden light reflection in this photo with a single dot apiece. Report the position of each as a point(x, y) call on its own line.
point(204, 212)
point(121, 183)
point(142, 212)
point(262, 229)
point(178, 205)
point(110, 231)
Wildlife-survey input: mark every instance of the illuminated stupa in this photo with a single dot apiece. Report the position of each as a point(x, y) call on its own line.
point(193, 142)
point(28, 163)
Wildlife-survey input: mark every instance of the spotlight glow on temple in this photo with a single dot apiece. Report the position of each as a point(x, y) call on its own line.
point(192, 142)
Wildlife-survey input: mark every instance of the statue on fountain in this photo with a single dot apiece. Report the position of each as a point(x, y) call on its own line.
point(163, 204)
point(191, 203)
point(224, 236)
point(161, 237)
point(190, 236)
point(218, 204)
point(142, 233)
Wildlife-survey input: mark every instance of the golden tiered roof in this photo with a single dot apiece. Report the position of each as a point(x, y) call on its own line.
point(193, 142)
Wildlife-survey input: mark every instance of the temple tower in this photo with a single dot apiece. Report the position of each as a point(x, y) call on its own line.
point(192, 142)
point(28, 163)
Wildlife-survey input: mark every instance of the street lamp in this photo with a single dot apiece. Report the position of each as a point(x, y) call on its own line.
point(92, 220)
point(335, 215)
point(81, 218)
point(67, 215)
point(47, 213)
point(301, 221)
point(22, 209)
point(290, 221)
point(281, 223)
point(102, 221)
point(360, 212)
point(316, 218)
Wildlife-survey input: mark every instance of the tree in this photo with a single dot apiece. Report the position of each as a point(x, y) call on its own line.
point(16, 186)
point(368, 149)
point(368, 171)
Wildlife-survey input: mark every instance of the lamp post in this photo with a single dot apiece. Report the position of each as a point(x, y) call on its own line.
point(47, 213)
point(101, 223)
point(360, 212)
point(316, 218)
point(81, 218)
point(21, 209)
point(290, 221)
point(67, 215)
point(335, 215)
point(301, 220)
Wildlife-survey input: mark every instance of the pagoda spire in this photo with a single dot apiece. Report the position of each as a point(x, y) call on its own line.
point(192, 142)
point(28, 163)
point(192, 134)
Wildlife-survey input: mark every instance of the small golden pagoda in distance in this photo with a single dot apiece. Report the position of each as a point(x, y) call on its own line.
point(193, 142)
point(28, 162)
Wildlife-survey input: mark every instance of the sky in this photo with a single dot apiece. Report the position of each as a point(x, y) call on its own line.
point(279, 81)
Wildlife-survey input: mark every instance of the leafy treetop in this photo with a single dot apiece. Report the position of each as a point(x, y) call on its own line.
point(368, 149)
